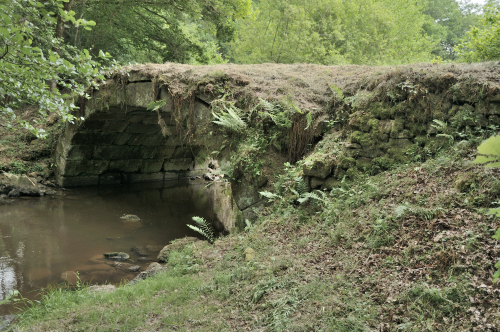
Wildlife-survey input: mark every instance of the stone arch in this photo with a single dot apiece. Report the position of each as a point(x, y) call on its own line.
point(120, 141)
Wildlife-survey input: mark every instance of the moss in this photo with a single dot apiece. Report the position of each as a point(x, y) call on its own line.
point(360, 121)
point(416, 128)
point(384, 162)
point(467, 182)
point(381, 111)
point(465, 116)
point(397, 126)
point(345, 162)
point(352, 173)
point(365, 139)
point(364, 164)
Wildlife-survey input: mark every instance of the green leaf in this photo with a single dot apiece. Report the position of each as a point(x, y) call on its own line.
point(489, 152)
point(497, 235)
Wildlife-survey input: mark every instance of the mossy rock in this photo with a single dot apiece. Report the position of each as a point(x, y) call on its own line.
point(318, 165)
point(361, 121)
point(467, 182)
point(176, 245)
point(384, 162)
point(345, 162)
point(397, 126)
point(363, 139)
point(364, 164)
point(381, 111)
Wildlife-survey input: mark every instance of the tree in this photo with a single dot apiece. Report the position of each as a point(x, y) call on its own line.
point(334, 32)
point(31, 56)
point(482, 43)
point(446, 22)
point(159, 30)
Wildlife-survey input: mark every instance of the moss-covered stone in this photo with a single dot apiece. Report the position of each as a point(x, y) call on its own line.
point(364, 164)
point(467, 182)
point(397, 126)
point(361, 121)
point(381, 111)
point(345, 161)
point(384, 162)
point(363, 139)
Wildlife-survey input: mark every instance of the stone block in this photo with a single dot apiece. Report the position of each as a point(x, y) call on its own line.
point(139, 128)
point(330, 183)
point(114, 152)
point(116, 125)
point(162, 152)
point(79, 152)
point(169, 176)
point(185, 151)
point(151, 120)
point(151, 166)
point(137, 76)
point(164, 94)
point(122, 138)
point(84, 167)
point(319, 168)
point(494, 108)
point(178, 164)
point(110, 178)
point(316, 182)
point(370, 153)
point(144, 177)
point(139, 94)
point(78, 181)
point(136, 139)
point(154, 140)
point(494, 120)
point(91, 124)
point(93, 138)
point(245, 195)
point(129, 165)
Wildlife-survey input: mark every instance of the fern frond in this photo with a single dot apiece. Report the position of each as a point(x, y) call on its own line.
point(205, 228)
point(229, 119)
point(270, 195)
point(309, 120)
point(317, 195)
point(301, 186)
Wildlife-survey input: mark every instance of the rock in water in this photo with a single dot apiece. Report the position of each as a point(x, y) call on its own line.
point(130, 217)
point(116, 255)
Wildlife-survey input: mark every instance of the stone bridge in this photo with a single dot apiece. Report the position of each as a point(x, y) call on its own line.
point(121, 141)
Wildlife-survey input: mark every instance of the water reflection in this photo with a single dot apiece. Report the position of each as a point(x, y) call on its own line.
point(46, 240)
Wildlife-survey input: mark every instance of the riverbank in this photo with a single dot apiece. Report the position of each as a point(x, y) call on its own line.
point(406, 249)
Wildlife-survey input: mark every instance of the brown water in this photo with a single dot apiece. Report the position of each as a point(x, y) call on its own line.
point(43, 241)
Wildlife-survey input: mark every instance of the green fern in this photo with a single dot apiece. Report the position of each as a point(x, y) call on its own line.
point(301, 186)
point(229, 118)
point(317, 195)
point(204, 228)
point(270, 195)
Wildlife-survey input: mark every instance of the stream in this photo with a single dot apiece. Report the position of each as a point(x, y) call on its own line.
point(55, 240)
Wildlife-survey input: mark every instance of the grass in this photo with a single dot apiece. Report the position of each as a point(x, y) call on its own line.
point(400, 251)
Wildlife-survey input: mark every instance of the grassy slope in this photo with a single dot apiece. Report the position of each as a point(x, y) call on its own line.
point(408, 249)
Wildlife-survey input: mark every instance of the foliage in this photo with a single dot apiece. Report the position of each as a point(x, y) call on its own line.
point(446, 22)
point(229, 117)
point(204, 228)
point(489, 155)
point(482, 43)
point(32, 56)
point(333, 32)
point(159, 31)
